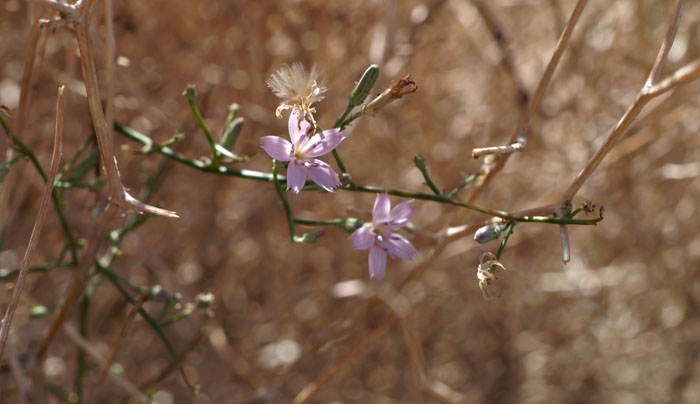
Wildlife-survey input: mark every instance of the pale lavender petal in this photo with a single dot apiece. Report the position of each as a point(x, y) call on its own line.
point(382, 206)
point(400, 215)
point(323, 175)
point(398, 246)
point(377, 262)
point(362, 238)
point(276, 147)
point(319, 146)
point(296, 176)
point(293, 126)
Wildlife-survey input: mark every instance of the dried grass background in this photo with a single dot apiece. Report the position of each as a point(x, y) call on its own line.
point(618, 324)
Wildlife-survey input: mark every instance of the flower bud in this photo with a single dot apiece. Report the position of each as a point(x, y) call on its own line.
point(310, 237)
point(231, 132)
point(190, 92)
point(350, 224)
point(205, 300)
point(39, 312)
point(158, 293)
point(364, 86)
point(488, 233)
point(419, 161)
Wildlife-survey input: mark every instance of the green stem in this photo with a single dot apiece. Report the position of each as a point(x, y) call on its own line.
point(57, 203)
point(509, 231)
point(339, 122)
point(189, 309)
point(6, 274)
point(283, 197)
point(338, 161)
point(352, 118)
point(271, 177)
point(82, 365)
point(111, 276)
point(420, 163)
point(464, 183)
point(333, 222)
point(215, 156)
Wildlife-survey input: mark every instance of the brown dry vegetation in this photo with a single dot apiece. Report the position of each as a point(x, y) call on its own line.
point(620, 323)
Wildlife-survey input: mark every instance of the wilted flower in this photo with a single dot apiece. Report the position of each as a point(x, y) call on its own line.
point(301, 154)
point(485, 271)
point(297, 90)
point(379, 235)
point(395, 91)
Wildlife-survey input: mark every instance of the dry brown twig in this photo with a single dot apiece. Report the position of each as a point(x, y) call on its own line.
point(651, 89)
point(499, 36)
point(78, 15)
point(38, 224)
point(519, 139)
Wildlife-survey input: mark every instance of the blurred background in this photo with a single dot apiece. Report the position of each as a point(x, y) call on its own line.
point(620, 323)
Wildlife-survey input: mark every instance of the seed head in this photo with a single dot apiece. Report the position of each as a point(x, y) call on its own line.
point(297, 90)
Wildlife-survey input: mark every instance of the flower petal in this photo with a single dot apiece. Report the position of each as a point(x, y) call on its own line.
point(293, 126)
point(362, 238)
point(382, 206)
point(377, 262)
point(400, 215)
point(276, 147)
point(296, 176)
point(323, 175)
point(318, 146)
point(398, 246)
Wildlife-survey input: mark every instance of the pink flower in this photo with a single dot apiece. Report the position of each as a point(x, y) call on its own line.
point(301, 154)
point(379, 235)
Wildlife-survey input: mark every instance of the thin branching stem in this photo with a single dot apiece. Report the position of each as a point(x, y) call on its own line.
point(38, 224)
point(272, 177)
point(150, 320)
point(27, 152)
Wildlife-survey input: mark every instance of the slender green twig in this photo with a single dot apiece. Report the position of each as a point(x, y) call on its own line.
point(285, 202)
point(111, 276)
point(215, 155)
point(339, 161)
point(21, 148)
point(339, 122)
point(184, 313)
point(272, 177)
point(6, 274)
point(420, 163)
point(464, 183)
point(82, 365)
point(335, 154)
point(506, 236)
point(68, 167)
point(6, 165)
point(332, 222)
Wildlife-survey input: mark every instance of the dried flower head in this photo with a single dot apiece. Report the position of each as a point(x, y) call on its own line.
point(297, 90)
point(485, 271)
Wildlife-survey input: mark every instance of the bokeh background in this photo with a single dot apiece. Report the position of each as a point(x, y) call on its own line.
point(620, 323)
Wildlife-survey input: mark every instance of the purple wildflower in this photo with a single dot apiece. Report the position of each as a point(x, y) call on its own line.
point(379, 236)
point(301, 154)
